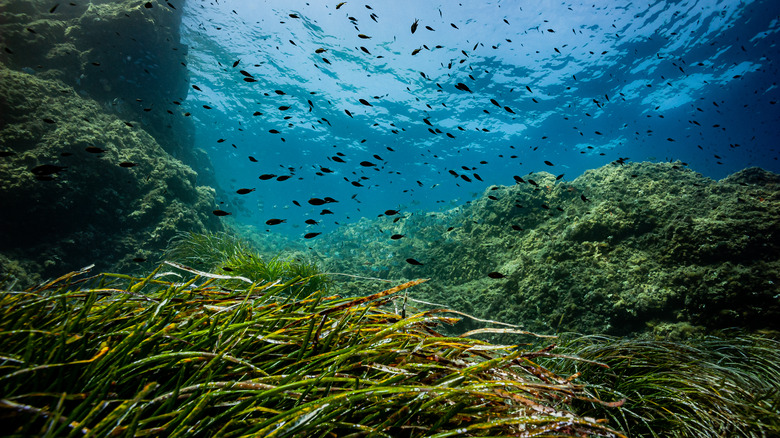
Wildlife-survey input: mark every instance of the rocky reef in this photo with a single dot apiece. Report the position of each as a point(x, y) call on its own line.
point(97, 163)
point(626, 248)
point(125, 55)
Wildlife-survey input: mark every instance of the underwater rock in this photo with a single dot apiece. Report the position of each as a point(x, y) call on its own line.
point(621, 249)
point(120, 53)
point(80, 186)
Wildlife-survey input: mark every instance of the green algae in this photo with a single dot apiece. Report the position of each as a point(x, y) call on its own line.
point(233, 255)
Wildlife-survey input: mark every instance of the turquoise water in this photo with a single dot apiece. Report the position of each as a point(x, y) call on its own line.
point(546, 86)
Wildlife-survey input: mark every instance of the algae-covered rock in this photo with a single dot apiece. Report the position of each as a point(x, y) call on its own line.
point(622, 249)
point(125, 55)
point(80, 186)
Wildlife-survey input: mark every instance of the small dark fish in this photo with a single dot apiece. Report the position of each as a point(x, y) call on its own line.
point(53, 8)
point(532, 182)
point(273, 131)
point(365, 37)
point(235, 64)
point(559, 176)
point(477, 177)
point(340, 5)
point(296, 203)
point(414, 25)
point(325, 211)
point(397, 236)
point(517, 228)
point(196, 87)
point(49, 121)
point(252, 159)
point(317, 201)
point(275, 221)
point(545, 206)
point(337, 159)
point(391, 212)
point(279, 92)
point(496, 275)
point(548, 163)
point(453, 25)
point(294, 16)
point(413, 262)
point(267, 176)
point(220, 213)
point(283, 177)
point(148, 5)
point(367, 164)
point(47, 169)
point(348, 113)
point(284, 108)
point(461, 86)
point(311, 221)
point(584, 198)
point(310, 235)
point(244, 191)
point(329, 199)
point(139, 259)
point(495, 102)
point(518, 179)
point(94, 150)
point(364, 102)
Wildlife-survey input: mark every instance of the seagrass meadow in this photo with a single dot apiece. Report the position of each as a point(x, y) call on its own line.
point(176, 353)
point(407, 218)
point(114, 355)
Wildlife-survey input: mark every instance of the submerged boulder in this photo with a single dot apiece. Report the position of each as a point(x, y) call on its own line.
point(625, 248)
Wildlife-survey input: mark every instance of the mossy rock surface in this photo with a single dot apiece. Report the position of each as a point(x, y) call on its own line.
point(621, 249)
point(91, 208)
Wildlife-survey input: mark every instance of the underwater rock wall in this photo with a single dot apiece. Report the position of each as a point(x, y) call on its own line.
point(125, 55)
point(622, 249)
point(96, 161)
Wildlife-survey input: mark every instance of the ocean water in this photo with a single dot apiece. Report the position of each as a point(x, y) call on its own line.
point(372, 114)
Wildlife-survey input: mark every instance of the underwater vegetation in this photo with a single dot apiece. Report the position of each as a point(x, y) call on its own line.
point(233, 256)
point(115, 355)
point(726, 385)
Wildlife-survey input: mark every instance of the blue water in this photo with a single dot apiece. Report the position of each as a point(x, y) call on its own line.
point(588, 83)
